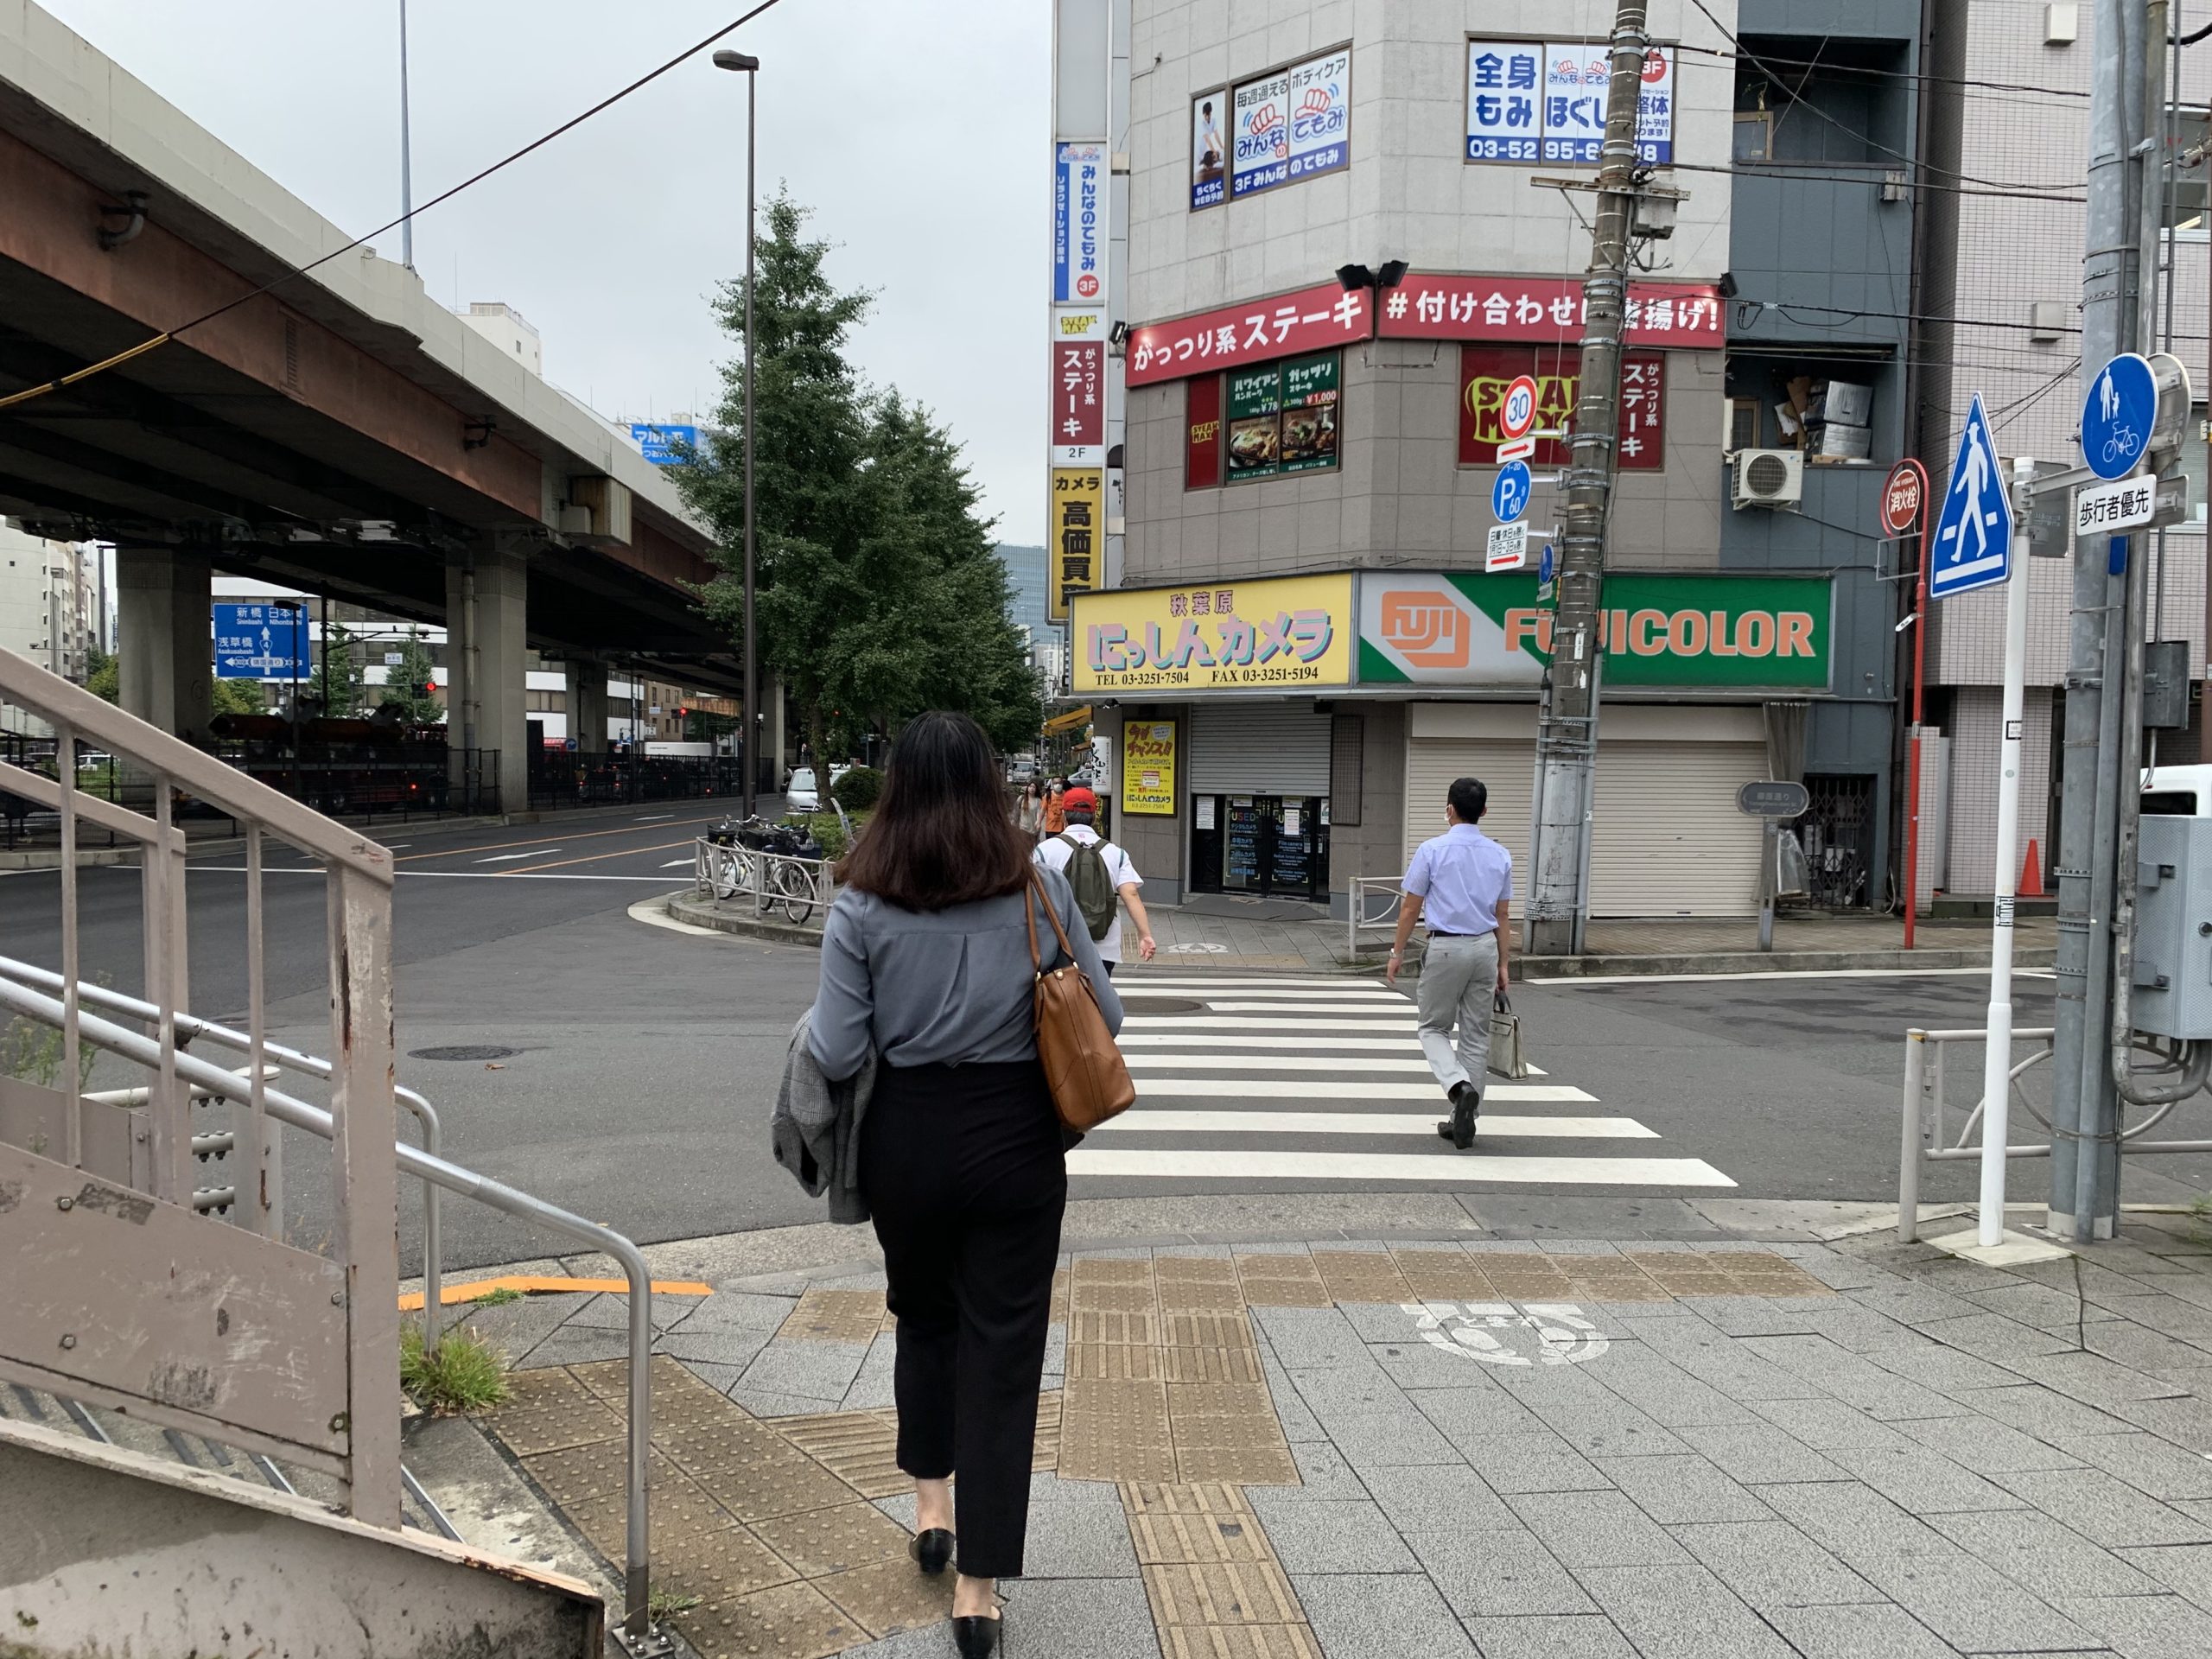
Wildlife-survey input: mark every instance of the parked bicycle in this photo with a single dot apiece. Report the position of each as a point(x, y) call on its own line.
point(763, 859)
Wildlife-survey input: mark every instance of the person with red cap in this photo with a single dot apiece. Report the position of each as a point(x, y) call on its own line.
point(1104, 878)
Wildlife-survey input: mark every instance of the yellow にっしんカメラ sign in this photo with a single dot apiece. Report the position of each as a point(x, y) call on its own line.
point(1286, 632)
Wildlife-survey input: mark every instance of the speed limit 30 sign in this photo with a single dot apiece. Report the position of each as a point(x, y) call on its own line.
point(1517, 415)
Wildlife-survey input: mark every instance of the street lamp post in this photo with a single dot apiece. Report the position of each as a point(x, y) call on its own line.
point(751, 66)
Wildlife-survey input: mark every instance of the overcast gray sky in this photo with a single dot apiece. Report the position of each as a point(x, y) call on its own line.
point(918, 131)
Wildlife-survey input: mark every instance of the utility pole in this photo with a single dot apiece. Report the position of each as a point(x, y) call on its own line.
point(2098, 784)
point(406, 156)
point(1566, 739)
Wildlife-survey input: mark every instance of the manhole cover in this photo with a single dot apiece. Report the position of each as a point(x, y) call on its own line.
point(1136, 1002)
point(463, 1052)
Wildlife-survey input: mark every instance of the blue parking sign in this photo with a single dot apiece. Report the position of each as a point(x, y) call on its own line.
point(1509, 497)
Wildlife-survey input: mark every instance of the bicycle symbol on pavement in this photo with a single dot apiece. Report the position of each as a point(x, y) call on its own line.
point(1537, 1333)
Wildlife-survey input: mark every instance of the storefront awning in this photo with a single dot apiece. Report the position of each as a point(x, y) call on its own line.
point(1069, 721)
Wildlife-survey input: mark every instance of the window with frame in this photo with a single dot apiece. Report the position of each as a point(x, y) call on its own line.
point(1264, 422)
point(2189, 189)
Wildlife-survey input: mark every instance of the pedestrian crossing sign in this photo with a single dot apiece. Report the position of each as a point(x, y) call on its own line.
point(1972, 545)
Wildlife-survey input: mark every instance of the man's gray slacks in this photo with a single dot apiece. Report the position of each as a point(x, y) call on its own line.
point(1457, 989)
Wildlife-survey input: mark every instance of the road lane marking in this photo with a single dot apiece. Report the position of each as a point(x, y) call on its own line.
point(1597, 981)
point(442, 876)
point(594, 858)
point(569, 835)
point(654, 817)
point(502, 858)
point(681, 864)
point(1222, 982)
point(1569, 1129)
point(1440, 1167)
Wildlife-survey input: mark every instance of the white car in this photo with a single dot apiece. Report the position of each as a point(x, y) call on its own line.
point(802, 793)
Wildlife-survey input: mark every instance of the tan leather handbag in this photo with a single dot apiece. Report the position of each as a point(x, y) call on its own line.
point(1083, 1066)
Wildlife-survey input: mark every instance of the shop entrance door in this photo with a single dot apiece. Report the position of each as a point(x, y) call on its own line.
point(1270, 846)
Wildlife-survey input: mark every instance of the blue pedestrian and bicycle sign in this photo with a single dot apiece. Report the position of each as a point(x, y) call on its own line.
point(1509, 497)
point(2118, 414)
point(1974, 538)
point(261, 642)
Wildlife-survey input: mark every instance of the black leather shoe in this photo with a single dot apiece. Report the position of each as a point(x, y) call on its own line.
point(975, 1638)
point(932, 1549)
point(1459, 1130)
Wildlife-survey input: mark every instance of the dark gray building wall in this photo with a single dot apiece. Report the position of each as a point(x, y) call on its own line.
point(1867, 20)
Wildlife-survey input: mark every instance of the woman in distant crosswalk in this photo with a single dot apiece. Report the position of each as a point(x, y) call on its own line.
point(926, 970)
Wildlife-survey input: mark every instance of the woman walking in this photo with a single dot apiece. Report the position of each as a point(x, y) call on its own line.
point(1055, 811)
point(925, 962)
point(1029, 810)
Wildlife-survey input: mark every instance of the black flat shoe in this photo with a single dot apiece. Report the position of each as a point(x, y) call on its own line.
point(932, 1549)
point(1459, 1130)
point(975, 1637)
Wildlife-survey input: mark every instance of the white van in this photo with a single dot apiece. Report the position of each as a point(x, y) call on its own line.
point(2178, 792)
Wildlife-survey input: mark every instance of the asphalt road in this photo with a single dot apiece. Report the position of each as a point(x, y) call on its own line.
point(641, 1061)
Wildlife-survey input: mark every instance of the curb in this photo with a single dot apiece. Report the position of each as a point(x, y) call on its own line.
point(1536, 970)
point(684, 907)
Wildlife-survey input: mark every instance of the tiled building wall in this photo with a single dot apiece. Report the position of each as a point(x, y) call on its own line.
point(1976, 729)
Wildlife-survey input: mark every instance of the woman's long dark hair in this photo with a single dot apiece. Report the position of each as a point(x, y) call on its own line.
point(939, 835)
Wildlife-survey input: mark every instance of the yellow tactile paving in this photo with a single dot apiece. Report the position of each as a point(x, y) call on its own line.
point(1221, 1593)
point(1281, 1281)
point(1361, 1276)
point(835, 1316)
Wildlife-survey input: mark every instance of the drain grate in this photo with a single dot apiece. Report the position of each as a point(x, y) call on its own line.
point(463, 1052)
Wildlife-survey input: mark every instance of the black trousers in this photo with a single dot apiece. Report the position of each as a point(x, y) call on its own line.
point(962, 1169)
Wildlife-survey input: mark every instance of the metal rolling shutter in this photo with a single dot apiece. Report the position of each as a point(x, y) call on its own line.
point(1668, 838)
point(1508, 769)
point(1239, 750)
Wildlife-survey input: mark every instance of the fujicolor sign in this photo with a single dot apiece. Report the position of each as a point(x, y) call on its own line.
point(1289, 633)
point(1717, 632)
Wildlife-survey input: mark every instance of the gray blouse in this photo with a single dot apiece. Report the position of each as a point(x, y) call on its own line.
point(951, 986)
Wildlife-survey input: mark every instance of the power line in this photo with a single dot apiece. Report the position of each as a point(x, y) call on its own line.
point(1740, 169)
point(535, 144)
point(1884, 75)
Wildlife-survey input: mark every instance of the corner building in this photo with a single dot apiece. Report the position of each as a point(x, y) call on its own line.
point(1303, 646)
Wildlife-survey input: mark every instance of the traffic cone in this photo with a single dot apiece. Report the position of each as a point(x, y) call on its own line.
point(2031, 876)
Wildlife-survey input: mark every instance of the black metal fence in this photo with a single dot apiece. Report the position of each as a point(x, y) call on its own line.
point(620, 778)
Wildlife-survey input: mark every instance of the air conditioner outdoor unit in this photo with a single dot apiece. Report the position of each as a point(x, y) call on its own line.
point(1767, 478)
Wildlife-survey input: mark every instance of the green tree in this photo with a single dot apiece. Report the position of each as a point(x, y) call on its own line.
point(407, 683)
point(236, 697)
point(337, 676)
point(103, 675)
point(880, 593)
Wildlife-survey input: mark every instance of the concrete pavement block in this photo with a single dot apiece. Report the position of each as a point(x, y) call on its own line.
point(2146, 1627)
point(1380, 1321)
point(1759, 1453)
point(2104, 1508)
point(1078, 1541)
point(1398, 1613)
point(1752, 1316)
point(1413, 1363)
point(2150, 1465)
point(872, 1386)
point(1386, 1441)
point(1922, 1482)
point(1881, 1630)
point(729, 1345)
point(1507, 1572)
point(1329, 1392)
point(1682, 1488)
point(2036, 1410)
point(1619, 1430)
point(822, 1369)
point(1996, 1339)
point(2095, 1381)
point(1550, 1636)
point(1681, 1612)
point(1987, 1447)
point(1438, 1497)
point(1079, 1617)
point(1666, 1393)
point(1537, 1462)
point(574, 1345)
point(1308, 1338)
point(1769, 1564)
point(2186, 1568)
point(1297, 1423)
point(1465, 1416)
point(1947, 1370)
point(1330, 1537)
point(2185, 1422)
point(769, 1403)
point(1324, 1475)
point(1825, 1425)
point(1596, 1530)
point(2044, 1553)
point(740, 1310)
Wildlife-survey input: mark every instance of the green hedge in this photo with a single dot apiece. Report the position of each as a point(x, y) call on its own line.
point(857, 792)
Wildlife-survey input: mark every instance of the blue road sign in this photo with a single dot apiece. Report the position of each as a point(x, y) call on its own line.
point(1509, 497)
point(261, 642)
point(1544, 565)
point(1974, 538)
point(2117, 416)
point(658, 440)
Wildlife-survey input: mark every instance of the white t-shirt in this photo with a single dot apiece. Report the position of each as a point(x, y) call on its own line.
point(1054, 854)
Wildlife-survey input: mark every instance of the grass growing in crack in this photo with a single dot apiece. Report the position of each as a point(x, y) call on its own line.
point(499, 1296)
point(666, 1604)
point(463, 1373)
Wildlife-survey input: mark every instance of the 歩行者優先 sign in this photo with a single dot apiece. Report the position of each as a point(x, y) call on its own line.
point(1290, 633)
point(1261, 331)
point(261, 642)
point(1773, 798)
point(1079, 224)
point(2130, 504)
point(1530, 102)
point(1287, 126)
point(1463, 629)
point(1149, 767)
point(1077, 528)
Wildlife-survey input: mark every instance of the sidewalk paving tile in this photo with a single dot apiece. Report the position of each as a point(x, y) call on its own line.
point(2041, 1551)
point(1923, 1483)
point(1331, 1537)
point(1770, 1565)
point(844, 1316)
point(1550, 1636)
point(1536, 1462)
point(1411, 1364)
point(2096, 1381)
point(2105, 1508)
point(730, 1346)
point(1387, 1441)
point(819, 1368)
point(1467, 1417)
point(1073, 1617)
point(1683, 1488)
point(1947, 1370)
point(1221, 1593)
point(844, 1536)
point(2037, 1410)
point(1830, 1425)
point(2146, 1627)
point(739, 1309)
point(2186, 1568)
point(1307, 1338)
point(1596, 1530)
point(574, 1345)
point(1994, 1337)
point(889, 1597)
point(1382, 1615)
point(771, 1402)
point(1989, 1447)
point(2186, 1422)
point(1078, 1539)
point(1879, 1631)
point(1439, 1497)
point(794, 1621)
point(1324, 1474)
point(1759, 1453)
point(1666, 1393)
point(2150, 1465)
point(1497, 1573)
point(1681, 1612)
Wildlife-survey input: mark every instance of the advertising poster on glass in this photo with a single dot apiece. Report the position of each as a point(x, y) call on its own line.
point(1149, 767)
point(1254, 423)
point(1504, 100)
point(1077, 529)
point(1320, 114)
point(1261, 156)
point(1209, 151)
point(1309, 412)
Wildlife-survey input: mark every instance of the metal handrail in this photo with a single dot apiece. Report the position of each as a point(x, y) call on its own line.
point(300, 1114)
point(722, 872)
point(191, 1027)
